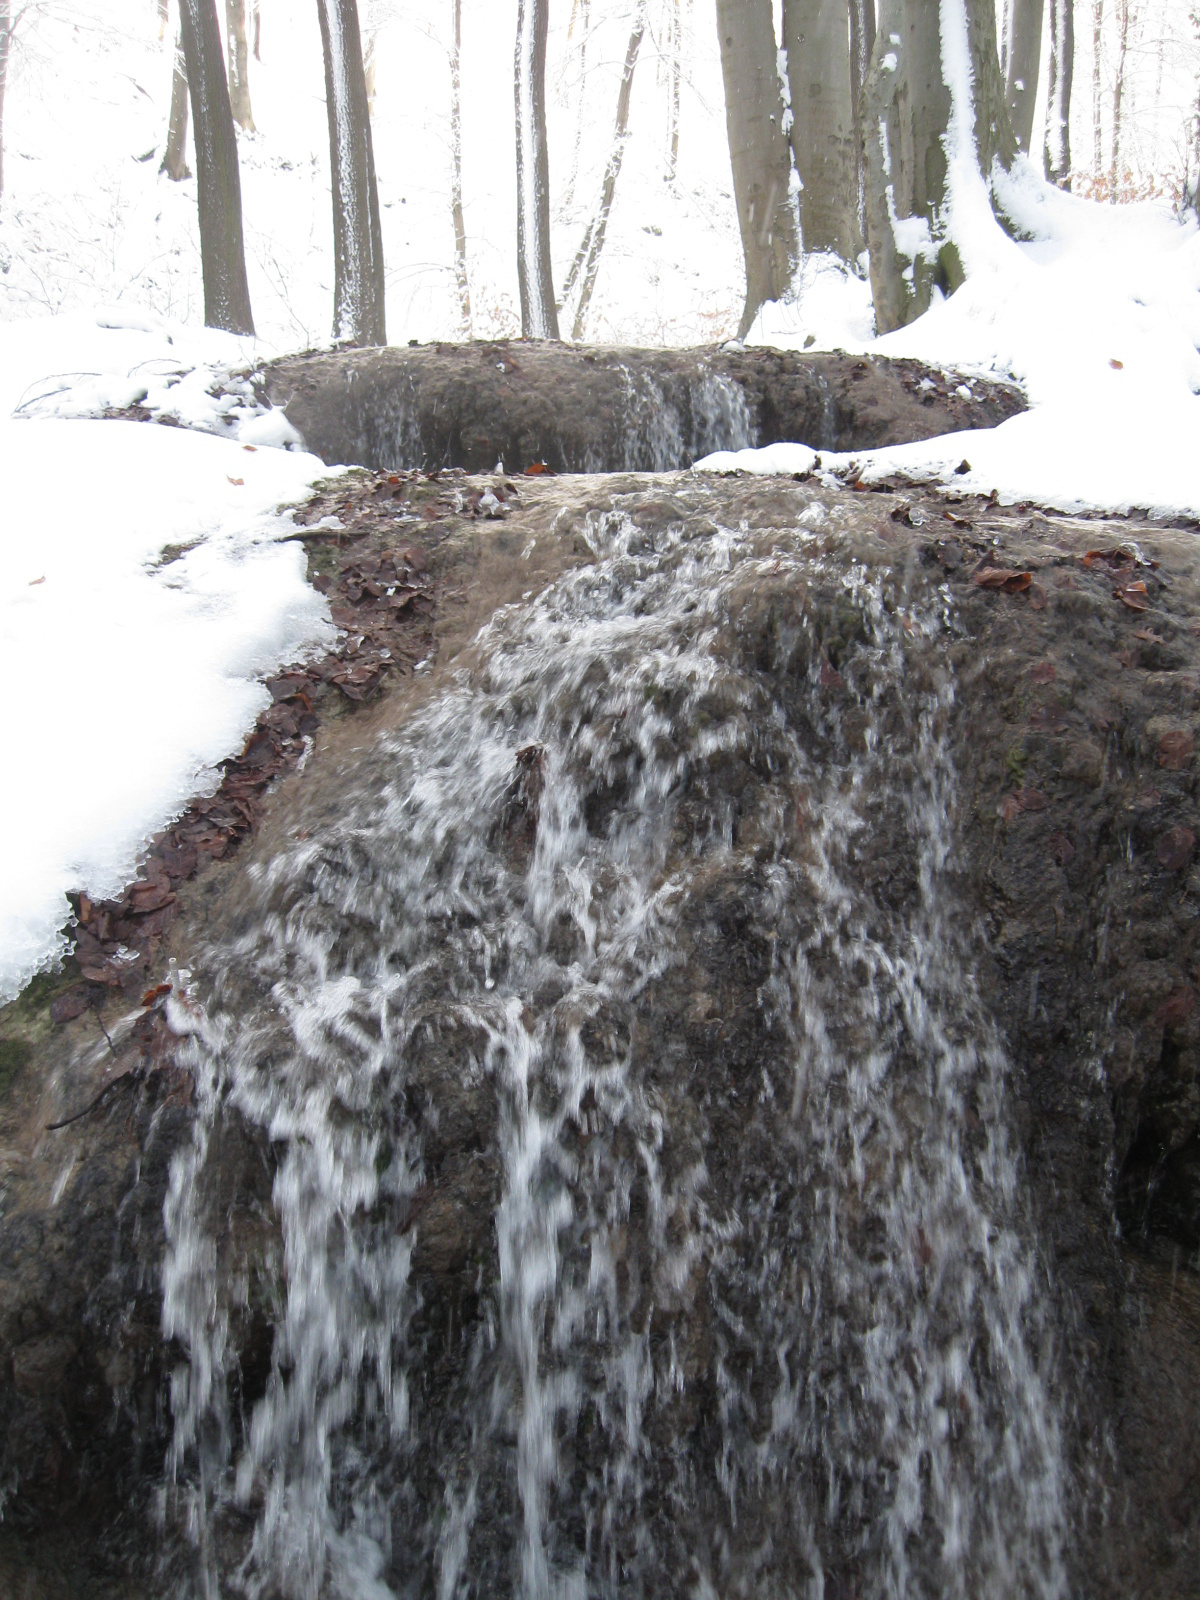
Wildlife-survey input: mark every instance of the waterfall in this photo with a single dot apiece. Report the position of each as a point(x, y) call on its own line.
point(648, 1220)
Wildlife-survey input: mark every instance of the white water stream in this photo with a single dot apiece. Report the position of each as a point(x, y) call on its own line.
point(767, 1323)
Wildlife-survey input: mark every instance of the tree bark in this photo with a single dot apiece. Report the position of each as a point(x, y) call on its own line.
point(1124, 18)
point(238, 51)
point(1022, 57)
point(539, 316)
point(758, 152)
point(587, 258)
point(676, 31)
point(817, 40)
point(908, 100)
point(358, 279)
point(1057, 151)
point(222, 250)
point(862, 44)
point(1097, 30)
point(257, 31)
point(174, 161)
point(456, 185)
point(582, 10)
point(163, 14)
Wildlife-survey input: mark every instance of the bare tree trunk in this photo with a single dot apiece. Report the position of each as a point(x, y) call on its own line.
point(583, 10)
point(587, 258)
point(163, 13)
point(456, 187)
point(257, 31)
point(1022, 56)
point(1097, 30)
point(539, 316)
point(817, 40)
point(862, 44)
point(6, 27)
point(222, 251)
point(1124, 16)
point(358, 280)
point(908, 100)
point(758, 151)
point(676, 81)
point(238, 52)
point(1057, 150)
point(174, 161)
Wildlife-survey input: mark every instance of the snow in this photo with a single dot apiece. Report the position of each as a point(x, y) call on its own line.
point(1097, 315)
point(129, 677)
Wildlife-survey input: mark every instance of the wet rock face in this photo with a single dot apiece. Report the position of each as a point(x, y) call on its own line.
point(612, 410)
point(699, 1091)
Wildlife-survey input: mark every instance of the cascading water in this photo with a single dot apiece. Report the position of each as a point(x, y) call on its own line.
point(647, 1216)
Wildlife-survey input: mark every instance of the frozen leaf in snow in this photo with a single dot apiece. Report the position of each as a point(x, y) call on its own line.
point(236, 482)
point(1175, 848)
point(33, 582)
point(1175, 750)
point(1118, 365)
point(1044, 672)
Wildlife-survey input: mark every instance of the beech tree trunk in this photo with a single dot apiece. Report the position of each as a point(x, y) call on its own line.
point(358, 280)
point(238, 51)
point(587, 257)
point(174, 161)
point(257, 31)
point(907, 104)
point(1097, 29)
point(539, 315)
point(456, 186)
point(222, 250)
point(758, 152)
point(862, 44)
point(1022, 56)
point(580, 9)
point(1124, 18)
point(816, 37)
point(1057, 150)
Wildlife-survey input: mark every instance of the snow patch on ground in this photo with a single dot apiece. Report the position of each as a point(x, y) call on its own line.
point(1096, 312)
point(144, 595)
point(82, 364)
point(830, 310)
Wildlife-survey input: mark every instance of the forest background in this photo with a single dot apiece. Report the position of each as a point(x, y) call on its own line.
point(88, 218)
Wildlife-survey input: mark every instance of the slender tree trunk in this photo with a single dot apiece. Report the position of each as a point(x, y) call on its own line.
point(862, 44)
point(163, 14)
point(219, 188)
point(1057, 151)
point(6, 26)
point(456, 185)
point(1097, 32)
point(817, 40)
point(676, 81)
point(908, 100)
point(257, 31)
point(174, 162)
point(581, 9)
point(239, 64)
point(1124, 14)
point(539, 316)
point(587, 259)
point(1022, 57)
point(358, 281)
point(758, 151)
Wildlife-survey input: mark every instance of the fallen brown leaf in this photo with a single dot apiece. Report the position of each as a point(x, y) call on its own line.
point(1002, 578)
point(1175, 848)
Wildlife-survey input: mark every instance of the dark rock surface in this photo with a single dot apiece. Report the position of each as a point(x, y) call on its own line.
point(603, 409)
point(1076, 700)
